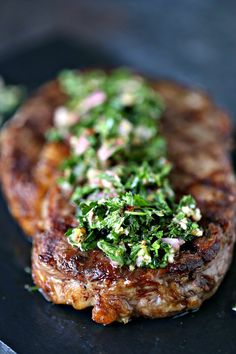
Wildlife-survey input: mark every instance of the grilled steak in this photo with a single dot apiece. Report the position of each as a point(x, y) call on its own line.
point(27, 165)
point(198, 137)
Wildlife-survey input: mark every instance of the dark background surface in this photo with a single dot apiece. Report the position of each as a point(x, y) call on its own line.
point(193, 41)
point(190, 40)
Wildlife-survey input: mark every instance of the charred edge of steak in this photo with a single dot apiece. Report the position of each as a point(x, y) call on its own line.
point(26, 168)
point(83, 280)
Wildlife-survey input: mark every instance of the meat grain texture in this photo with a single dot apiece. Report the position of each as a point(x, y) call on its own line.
point(198, 137)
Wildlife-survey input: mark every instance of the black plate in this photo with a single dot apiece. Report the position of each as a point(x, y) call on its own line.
point(29, 324)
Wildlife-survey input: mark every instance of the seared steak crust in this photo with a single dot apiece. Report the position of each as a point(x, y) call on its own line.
point(198, 143)
point(27, 168)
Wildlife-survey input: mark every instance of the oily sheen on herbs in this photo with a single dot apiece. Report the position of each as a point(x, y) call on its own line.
point(117, 171)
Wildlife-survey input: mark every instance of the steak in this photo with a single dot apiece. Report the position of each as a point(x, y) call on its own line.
point(198, 140)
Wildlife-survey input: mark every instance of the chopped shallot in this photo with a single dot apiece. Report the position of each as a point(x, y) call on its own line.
point(107, 150)
point(95, 99)
point(64, 118)
point(175, 243)
point(80, 145)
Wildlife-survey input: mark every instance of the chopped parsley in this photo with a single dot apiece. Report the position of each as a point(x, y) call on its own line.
point(10, 98)
point(117, 173)
point(30, 288)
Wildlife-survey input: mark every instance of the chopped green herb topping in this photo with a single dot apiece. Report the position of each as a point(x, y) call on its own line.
point(117, 173)
point(10, 98)
point(31, 289)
